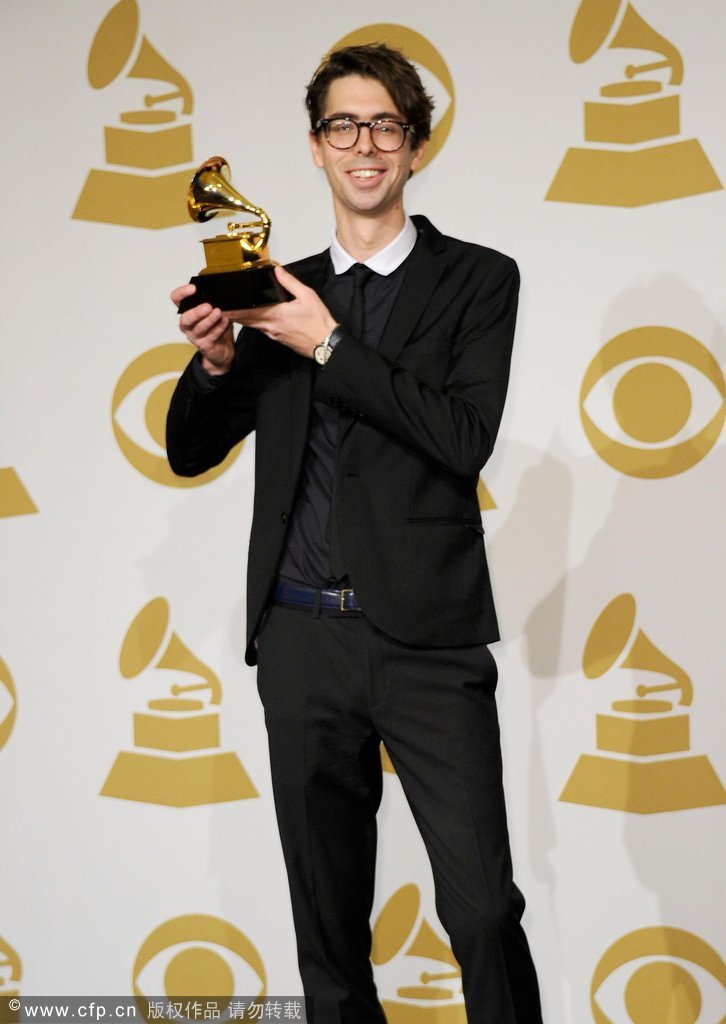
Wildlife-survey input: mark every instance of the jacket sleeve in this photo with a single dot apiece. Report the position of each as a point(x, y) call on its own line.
point(455, 424)
point(208, 416)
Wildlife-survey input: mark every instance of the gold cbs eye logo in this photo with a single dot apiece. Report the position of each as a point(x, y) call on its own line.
point(198, 956)
point(11, 972)
point(649, 388)
point(8, 703)
point(431, 65)
point(641, 973)
point(140, 403)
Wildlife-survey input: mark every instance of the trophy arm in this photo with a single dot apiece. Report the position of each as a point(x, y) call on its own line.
point(257, 242)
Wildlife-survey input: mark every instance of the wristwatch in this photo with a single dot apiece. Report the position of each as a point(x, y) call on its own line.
point(324, 350)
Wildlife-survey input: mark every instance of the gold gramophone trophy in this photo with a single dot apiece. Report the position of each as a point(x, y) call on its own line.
point(239, 273)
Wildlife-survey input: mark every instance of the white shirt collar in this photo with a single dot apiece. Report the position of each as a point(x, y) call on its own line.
point(384, 262)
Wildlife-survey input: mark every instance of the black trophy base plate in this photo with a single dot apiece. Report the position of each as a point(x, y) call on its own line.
point(237, 289)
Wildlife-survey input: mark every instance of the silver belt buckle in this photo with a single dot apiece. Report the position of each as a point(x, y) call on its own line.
point(343, 592)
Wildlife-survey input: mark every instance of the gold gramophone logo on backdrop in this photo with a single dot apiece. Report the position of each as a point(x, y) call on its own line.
point(486, 499)
point(401, 931)
point(11, 972)
point(143, 186)
point(660, 399)
point(209, 957)
point(628, 161)
point(139, 406)
point(640, 974)
point(14, 499)
point(177, 759)
point(422, 52)
point(8, 703)
point(643, 765)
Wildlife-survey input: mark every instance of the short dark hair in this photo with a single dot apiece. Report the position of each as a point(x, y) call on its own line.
point(390, 68)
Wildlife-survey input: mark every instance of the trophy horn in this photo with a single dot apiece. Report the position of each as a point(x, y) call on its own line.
point(211, 191)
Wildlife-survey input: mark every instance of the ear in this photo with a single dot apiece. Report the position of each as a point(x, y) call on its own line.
point(316, 148)
point(418, 153)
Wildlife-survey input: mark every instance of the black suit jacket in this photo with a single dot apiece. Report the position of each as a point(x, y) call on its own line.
point(419, 418)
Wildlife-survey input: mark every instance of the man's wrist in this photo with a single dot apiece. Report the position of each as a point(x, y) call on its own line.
point(206, 379)
point(214, 369)
point(323, 351)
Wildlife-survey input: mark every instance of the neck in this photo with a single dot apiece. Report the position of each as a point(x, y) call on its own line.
point(363, 236)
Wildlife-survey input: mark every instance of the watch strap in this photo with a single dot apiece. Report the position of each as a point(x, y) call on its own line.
point(335, 336)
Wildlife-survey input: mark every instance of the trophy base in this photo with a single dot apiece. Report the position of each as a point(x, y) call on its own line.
point(237, 289)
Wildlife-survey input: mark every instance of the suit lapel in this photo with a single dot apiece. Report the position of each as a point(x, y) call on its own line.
point(423, 272)
point(310, 271)
point(300, 384)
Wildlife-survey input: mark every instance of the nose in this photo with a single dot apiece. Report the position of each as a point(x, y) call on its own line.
point(365, 142)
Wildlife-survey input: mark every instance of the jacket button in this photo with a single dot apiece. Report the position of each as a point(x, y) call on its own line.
point(284, 518)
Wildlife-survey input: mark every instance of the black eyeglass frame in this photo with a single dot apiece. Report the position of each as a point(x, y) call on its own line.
point(324, 124)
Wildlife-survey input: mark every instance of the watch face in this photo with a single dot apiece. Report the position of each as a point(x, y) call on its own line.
point(322, 354)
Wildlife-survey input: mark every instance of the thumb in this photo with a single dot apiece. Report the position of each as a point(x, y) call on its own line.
point(289, 281)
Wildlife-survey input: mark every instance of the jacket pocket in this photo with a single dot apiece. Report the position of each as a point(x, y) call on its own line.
point(470, 524)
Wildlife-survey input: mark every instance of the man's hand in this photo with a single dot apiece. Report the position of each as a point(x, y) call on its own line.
point(301, 324)
point(209, 330)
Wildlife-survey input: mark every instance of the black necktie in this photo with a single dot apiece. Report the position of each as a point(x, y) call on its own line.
point(356, 325)
point(361, 276)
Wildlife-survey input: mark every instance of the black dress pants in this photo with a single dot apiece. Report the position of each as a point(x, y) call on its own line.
point(332, 688)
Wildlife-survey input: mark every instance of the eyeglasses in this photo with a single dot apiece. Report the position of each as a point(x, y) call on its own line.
point(343, 132)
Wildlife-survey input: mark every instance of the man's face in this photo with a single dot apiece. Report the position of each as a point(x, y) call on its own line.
point(364, 180)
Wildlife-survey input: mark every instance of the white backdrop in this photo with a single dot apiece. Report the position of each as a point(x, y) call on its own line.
point(625, 897)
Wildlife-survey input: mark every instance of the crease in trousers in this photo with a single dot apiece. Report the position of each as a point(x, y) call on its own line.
point(332, 688)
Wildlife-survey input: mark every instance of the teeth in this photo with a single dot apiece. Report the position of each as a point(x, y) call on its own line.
point(364, 174)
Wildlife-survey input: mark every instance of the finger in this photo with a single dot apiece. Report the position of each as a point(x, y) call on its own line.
point(251, 317)
point(182, 292)
point(203, 323)
point(213, 325)
point(192, 318)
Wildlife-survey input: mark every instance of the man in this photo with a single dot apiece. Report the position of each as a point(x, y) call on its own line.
point(375, 399)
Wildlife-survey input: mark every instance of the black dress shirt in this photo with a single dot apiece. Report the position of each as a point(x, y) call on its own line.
point(307, 554)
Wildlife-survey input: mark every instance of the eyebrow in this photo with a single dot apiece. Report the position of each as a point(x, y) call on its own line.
point(383, 116)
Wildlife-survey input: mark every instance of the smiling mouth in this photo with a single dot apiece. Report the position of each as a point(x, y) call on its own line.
point(368, 172)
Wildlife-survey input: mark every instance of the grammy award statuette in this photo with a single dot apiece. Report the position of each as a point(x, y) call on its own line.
point(239, 273)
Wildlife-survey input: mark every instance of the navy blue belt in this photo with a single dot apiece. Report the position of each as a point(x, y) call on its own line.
point(310, 597)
